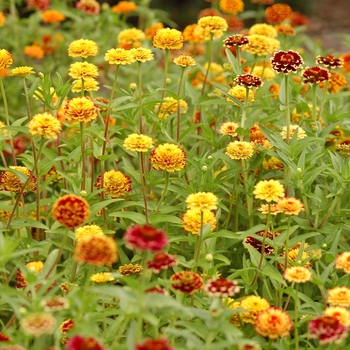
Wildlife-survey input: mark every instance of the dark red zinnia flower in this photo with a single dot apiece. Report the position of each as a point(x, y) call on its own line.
point(145, 238)
point(161, 261)
point(154, 344)
point(248, 80)
point(315, 75)
point(255, 243)
point(186, 281)
point(327, 330)
point(330, 61)
point(236, 40)
point(286, 61)
point(81, 343)
point(222, 287)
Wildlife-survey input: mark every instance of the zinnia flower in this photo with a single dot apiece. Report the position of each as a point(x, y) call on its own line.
point(130, 269)
point(81, 109)
point(82, 48)
point(119, 56)
point(145, 238)
point(83, 70)
point(261, 45)
point(22, 72)
point(213, 24)
point(168, 39)
point(154, 344)
point(221, 287)
point(257, 244)
point(102, 277)
point(301, 134)
point(286, 61)
point(191, 220)
point(277, 13)
point(168, 157)
point(248, 80)
point(34, 51)
point(268, 190)
point(330, 61)
point(138, 143)
point(327, 330)
point(45, 125)
point(55, 303)
point(239, 92)
point(52, 16)
point(263, 29)
point(339, 296)
point(231, 7)
point(71, 210)
point(170, 106)
point(37, 324)
point(290, 206)
point(229, 128)
point(88, 230)
point(141, 54)
point(96, 250)
point(184, 61)
point(285, 29)
point(238, 40)
point(90, 7)
point(297, 274)
point(6, 59)
point(161, 261)
point(66, 325)
point(338, 312)
point(253, 305)
point(273, 323)
point(204, 201)
point(115, 183)
point(124, 7)
point(81, 343)
point(9, 181)
point(342, 262)
point(336, 82)
point(34, 266)
point(186, 281)
point(89, 85)
point(239, 150)
point(315, 75)
point(2, 19)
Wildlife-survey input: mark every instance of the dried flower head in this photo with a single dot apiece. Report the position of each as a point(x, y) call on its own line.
point(248, 80)
point(124, 7)
point(154, 344)
point(315, 75)
point(115, 183)
point(301, 134)
point(339, 296)
point(239, 150)
point(138, 143)
point(290, 206)
point(119, 56)
point(55, 303)
point(71, 210)
point(231, 7)
point(170, 106)
point(238, 40)
point(240, 93)
point(297, 274)
point(82, 48)
point(37, 324)
point(286, 61)
point(257, 243)
point(191, 220)
point(79, 343)
point(327, 330)
point(340, 313)
point(88, 230)
point(102, 277)
point(184, 61)
point(204, 201)
point(263, 29)
point(81, 109)
point(221, 287)
point(268, 190)
point(22, 72)
point(168, 157)
point(253, 305)
point(229, 128)
point(45, 125)
point(52, 16)
point(261, 45)
point(161, 261)
point(186, 281)
point(130, 269)
point(277, 13)
point(168, 39)
point(141, 54)
point(342, 262)
point(145, 238)
point(9, 181)
point(273, 323)
point(83, 70)
point(96, 250)
point(6, 59)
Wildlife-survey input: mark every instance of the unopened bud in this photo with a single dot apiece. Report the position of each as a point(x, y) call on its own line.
point(83, 193)
point(41, 75)
point(204, 168)
point(209, 257)
point(133, 86)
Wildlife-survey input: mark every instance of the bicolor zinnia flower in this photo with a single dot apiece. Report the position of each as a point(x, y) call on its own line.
point(277, 13)
point(119, 56)
point(83, 70)
point(102, 277)
point(115, 183)
point(338, 312)
point(161, 261)
point(6, 59)
point(96, 250)
point(71, 210)
point(290, 206)
point(268, 190)
point(38, 323)
point(130, 269)
point(286, 61)
point(266, 208)
point(204, 201)
point(215, 25)
point(301, 134)
point(45, 125)
point(297, 274)
point(257, 244)
point(221, 287)
point(273, 323)
point(261, 45)
point(339, 296)
point(52, 16)
point(66, 325)
point(248, 80)
point(145, 237)
point(184, 61)
point(90, 7)
point(342, 262)
point(186, 281)
point(168, 39)
point(154, 344)
point(22, 72)
point(240, 93)
point(237, 40)
point(124, 7)
point(11, 182)
point(229, 128)
point(138, 143)
point(327, 330)
point(231, 7)
point(253, 305)
point(168, 157)
point(88, 230)
point(80, 343)
point(81, 109)
point(191, 220)
point(315, 75)
point(82, 48)
point(240, 150)
point(34, 266)
point(55, 303)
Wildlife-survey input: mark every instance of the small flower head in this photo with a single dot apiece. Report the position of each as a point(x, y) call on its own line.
point(102, 277)
point(297, 274)
point(154, 344)
point(184, 61)
point(221, 287)
point(327, 330)
point(342, 262)
point(71, 210)
point(22, 72)
point(273, 323)
point(248, 80)
point(9, 181)
point(213, 24)
point(6, 59)
point(52, 16)
point(88, 230)
point(232, 7)
point(338, 312)
point(238, 40)
point(37, 324)
point(268, 190)
point(34, 51)
point(186, 281)
point(131, 38)
point(79, 343)
point(278, 13)
point(168, 157)
point(315, 75)
point(141, 54)
point(257, 244)
point(239, 150)
point(253, 305)
point(115, 183)
point(90, 7)
point(336, 82)
point(96, 250)
point(290, 206)
point(81, 109)
point(339, 296)
point(261, 45)
point(124, 7)
point(66, 326)
point(301, 134)
point(263, 29)
point(130, 269)
point(55, 303)
point(239, 92)
point(82, 48)
point(145, 238)
point(204, 201)
point(229, 128)
point(168, 39)
point(170, 106)
point(83, 70)
point(286, 62)
point(161, 261)
point(45, 125)
point(285, 29)
point(119, 56)
point(138, 143)
point(191, 220)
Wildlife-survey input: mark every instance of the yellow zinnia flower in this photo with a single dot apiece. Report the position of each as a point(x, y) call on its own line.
point(204, 201)
point(213, 24)
point(268, 190)
point(166, 38)
point(102, 277)
point(83, 70)
point(81, 109)
point(138, 143)
point(240, 150)
point(141, 54)
point(191, 220)
point(6, 59)
point(119, 56)
point(168, 157)
point(22, 71)
point(82, 48)
point(45, 125)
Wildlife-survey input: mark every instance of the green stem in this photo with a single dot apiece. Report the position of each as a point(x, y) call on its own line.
point(210, 46)
point(314, 102)
point(178, 107)
point(238, 59)
point(286, 244)
point(143, 185)
point(286, 92)
point(83, 172)
point(166, 183)
point(244, 113)
point(74, 271)
point(329, 212)
point(249, 198)
point(234, 195)
point(296, 330)
point(323, 101)
point(198, 247)
point(121, 331)
point(210, 338)
point(141, 297)
point(142, 130)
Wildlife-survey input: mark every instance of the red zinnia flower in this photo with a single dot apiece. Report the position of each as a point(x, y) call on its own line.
point(145, 238)
point(236, 40)
point(327, 329)
point(286, 61)
point(315, 75)
point(80, 343)
point(186, 281)
point(161, 261)
point(154, 344)
point(248, 80)
point(222, 287)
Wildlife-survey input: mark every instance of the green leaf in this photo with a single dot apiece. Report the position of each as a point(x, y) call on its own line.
point(136, 217)
point(157, 218)
point(26, 222)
